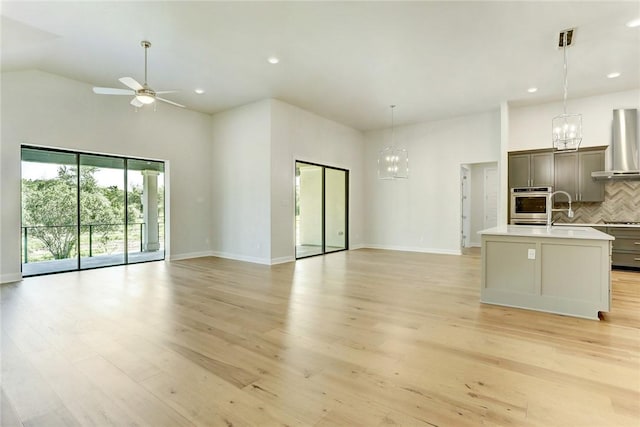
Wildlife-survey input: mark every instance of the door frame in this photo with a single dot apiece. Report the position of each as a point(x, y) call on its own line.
point(346, 210)
point(78, 154)
point(465, 206)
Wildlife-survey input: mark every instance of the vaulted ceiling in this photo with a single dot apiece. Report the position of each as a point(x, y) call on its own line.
point(347, 61)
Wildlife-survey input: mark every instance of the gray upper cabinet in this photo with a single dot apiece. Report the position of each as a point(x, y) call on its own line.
point(590, 189)
point(531, 170)
point(573, 175)
point(566, 174)
point(542, 168)
point(519, 170)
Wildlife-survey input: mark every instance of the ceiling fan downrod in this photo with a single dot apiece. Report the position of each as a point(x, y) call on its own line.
point(146, 45)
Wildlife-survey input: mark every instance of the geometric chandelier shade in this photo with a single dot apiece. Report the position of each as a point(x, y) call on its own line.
point(393, 163)
point(566, 129)
point(567, 132)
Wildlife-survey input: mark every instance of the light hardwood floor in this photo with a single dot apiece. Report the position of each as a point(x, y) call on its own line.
point(366, 337)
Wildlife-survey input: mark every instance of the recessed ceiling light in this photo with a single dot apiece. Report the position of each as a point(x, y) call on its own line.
point(634, 23)
point(613, 75)
point(532, 90)
point(199, 91)
point(273, 60)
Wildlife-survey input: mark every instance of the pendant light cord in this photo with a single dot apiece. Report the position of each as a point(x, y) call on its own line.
point(393, 145)
point(566, 78)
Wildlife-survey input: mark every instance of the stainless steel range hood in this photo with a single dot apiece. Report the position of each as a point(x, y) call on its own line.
point(625, 150)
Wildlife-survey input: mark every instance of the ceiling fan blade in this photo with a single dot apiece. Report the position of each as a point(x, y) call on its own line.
point(166, 91)
point(136, 103)
point(170, 102)
point(112, 91)
point(130, 82)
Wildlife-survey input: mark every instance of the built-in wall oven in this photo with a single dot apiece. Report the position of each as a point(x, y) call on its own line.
point(529, 205)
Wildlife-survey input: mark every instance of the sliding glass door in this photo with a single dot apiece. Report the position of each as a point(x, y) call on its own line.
point(49, 211)
point(101, 211)
point(321, 209)
point(83, 211)
point(335, 184)
point(145, 210)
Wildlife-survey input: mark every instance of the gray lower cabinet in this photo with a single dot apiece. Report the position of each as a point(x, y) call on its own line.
point(626, 247)
point(573, 175)
point(531, 170)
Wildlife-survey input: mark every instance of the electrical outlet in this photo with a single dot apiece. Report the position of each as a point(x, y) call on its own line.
point(531, 254)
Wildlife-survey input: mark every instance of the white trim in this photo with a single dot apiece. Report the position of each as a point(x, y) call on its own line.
point(282, 260)
point(235, 257)
point(414, 249)
point(474, 245)
point(10, 278)
point(189, 255)
point(357, 246)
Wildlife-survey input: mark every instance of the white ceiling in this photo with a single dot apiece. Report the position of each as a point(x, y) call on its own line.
point(346, 61)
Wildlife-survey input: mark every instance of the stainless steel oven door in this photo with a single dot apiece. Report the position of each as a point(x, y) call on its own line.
point(529, 206)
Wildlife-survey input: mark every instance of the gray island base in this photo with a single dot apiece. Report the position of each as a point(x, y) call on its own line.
point(563, 270)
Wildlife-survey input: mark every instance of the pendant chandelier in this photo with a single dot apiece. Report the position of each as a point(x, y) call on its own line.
point(393, 163)
point(566, 128)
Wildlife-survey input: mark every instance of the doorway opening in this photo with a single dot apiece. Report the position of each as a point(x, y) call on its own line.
point(478, 201)
point(83, 211)
point(321, 209)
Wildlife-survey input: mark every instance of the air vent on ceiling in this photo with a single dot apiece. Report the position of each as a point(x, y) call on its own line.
point(565, 35)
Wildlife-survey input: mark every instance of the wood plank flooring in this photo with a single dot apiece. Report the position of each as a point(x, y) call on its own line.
point(365, 337)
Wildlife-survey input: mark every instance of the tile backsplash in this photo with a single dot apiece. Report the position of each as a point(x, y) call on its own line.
point(621, 203)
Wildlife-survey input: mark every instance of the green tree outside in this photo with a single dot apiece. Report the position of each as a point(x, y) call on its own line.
point(49, 209)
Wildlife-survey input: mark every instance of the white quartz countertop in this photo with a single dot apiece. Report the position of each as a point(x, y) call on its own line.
point(557, 232)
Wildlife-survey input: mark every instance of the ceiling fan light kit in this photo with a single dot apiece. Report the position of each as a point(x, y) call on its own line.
point(142, 93)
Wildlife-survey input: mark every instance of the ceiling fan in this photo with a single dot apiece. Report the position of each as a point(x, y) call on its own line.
point(142, 93)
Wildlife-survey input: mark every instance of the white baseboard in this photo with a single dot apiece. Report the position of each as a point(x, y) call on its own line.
point(236, 257)
point(282, 260)
point(10, 278)
point(357, 246)
point(178, 257)
point(474, 244)
point(413, 249)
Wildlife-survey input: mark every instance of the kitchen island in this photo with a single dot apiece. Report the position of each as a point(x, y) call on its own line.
point(564, 270)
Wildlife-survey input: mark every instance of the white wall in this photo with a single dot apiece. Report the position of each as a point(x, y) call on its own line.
point(297, 134)
point(241, 175)
point(530, 127)
point(423, 212)
point(48, 110)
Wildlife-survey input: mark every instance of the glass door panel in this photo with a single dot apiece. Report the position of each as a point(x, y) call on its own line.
point(309, 210)
point(110, 213)
point(102, 201)
point(145, 210)
point(335, 209)
point(49, 212)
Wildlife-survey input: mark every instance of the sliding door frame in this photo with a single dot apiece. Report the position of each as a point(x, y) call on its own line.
point(77, 155)
point(323, 203)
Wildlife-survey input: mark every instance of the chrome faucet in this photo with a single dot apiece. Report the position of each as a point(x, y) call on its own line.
point(550, 209)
